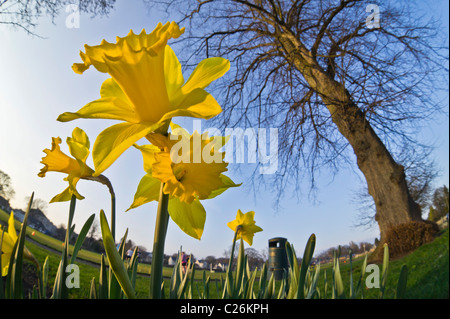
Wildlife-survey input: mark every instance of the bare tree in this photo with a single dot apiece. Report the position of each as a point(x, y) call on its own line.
point(420, 171)
point(38, 203)
point(24, 14)
point(254, 257)
point(338, 83)
point(440, 202)
point(6, 189)
point(210, 259)
point(94, 231)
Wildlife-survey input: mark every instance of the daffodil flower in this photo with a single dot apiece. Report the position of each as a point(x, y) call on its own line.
point(75, 167)
point(186, 179)
point(7, 245)
point(245, 226)
point(145, 91)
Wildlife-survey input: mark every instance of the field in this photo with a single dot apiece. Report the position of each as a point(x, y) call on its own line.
point(428, 270)
point(88, 262)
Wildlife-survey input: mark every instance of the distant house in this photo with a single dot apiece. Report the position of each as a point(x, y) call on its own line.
point(172, 260)
point(40, 222)
point(4, 205)
point(19, 214)
point(219, 267)
point(36, 220)
point(202, 264)
point(145, 257)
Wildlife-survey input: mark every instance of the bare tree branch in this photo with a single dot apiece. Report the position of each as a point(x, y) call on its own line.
point(24, 14)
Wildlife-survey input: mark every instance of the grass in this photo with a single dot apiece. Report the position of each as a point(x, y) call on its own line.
point(428, 270)
point(87, 272)
point(50, 241)
point(83, 254)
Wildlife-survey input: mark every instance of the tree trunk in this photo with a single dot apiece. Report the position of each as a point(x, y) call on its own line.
point(385, 178)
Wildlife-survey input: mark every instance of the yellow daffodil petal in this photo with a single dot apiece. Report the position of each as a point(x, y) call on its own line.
point(11, 229)
point(161, 141)
point(73, 180)
point(114, 140)
point(178, 130)
point(79, 145)
point(148, 153)
point(247, 226)
point(189, 217)
point(113, 105)
point(248, 218)
point(226, 183)
point(172, 70)
point(79, 136)
point(147, 191)
point(206, 72)
point(249, 233)
point(8, 242)
point(65, 196)
point(110, 108)
point(233, 225)
point(110, 88)
point(198, 103)
point(192, 100)
point(5, 264)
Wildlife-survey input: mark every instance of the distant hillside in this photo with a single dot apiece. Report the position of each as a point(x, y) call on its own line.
point(36, 219)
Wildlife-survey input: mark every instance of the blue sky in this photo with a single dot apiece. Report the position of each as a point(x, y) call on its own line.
point(37, 84)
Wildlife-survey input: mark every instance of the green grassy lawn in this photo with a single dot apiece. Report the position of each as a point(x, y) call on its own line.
point(428, 270)
point(87, 272)
point(82, 254)
point(50, 241)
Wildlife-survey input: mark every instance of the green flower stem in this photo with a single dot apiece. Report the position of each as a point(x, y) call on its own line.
point(229, 282)
point(162, 221)
point(60, 290)
point(105, 181)
point(234, 246)
point(113, 215)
